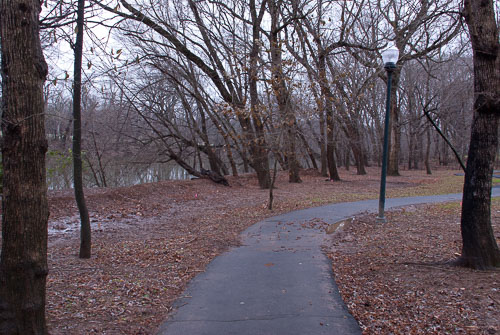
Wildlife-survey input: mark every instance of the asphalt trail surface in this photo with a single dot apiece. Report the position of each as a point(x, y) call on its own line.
point(279, 281)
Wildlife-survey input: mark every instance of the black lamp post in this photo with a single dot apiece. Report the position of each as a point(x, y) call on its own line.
point(390, 57)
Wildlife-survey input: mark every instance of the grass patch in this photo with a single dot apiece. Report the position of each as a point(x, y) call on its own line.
point(442, 184)
point(450, 205)
point(457, 205)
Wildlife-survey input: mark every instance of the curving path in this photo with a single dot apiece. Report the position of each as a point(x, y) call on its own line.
point(278, 282)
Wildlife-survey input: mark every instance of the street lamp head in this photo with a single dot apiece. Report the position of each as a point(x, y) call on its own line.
point(390, 57)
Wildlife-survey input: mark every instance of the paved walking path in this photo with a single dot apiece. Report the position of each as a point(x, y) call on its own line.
point(278, 282)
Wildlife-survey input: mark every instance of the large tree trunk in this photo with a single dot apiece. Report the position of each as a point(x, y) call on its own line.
point(330, 147)
point(479, 247)
point(360, 162)
point(356, 143)
point(23, 264)
point(85, 232)
point(322, 144)
point(330, 124)
point(257, 144)
point(282, 94)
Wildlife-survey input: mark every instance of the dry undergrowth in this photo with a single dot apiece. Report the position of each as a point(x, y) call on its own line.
point(395, 280)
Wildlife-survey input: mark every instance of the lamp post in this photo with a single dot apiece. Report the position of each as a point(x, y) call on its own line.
point(390, 57)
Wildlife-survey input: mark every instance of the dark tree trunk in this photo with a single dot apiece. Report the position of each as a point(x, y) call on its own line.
point(327, 99)
point(445, 146)
point(360, 163)
point(257, 143)
point(348, 159)
point(23, 263)
point(356, 142)
point(330, 148)
point(271, 187)
point(395, 131)
point(479, 247)
point(282, 94)
point(322, 144)
point(310, 152)
point(410, 150)
point(428, 151)
point(85, 233)
point(229, 154)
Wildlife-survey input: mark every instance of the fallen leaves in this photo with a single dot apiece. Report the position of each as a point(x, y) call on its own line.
point(150, 240)
point(395, 278)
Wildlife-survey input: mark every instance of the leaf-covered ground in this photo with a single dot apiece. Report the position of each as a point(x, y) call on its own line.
point(395, 279)
point(150, 240)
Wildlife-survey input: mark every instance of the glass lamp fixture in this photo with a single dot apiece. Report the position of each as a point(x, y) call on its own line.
point(390, 56)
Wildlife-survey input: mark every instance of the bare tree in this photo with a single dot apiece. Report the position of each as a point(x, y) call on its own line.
point(418, 30)
point(85, 232)
point(281, 90)
point(203, 52)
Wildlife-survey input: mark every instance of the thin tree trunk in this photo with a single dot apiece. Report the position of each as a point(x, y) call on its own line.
point(348, 159)
point(410, 150)
point(428, 151)
point(310, 152)
point(445, 146)
point(395, 131)
point(446, 140)
point(102, 172)
point(23, 261)
point(85, 232)
point(94, 172)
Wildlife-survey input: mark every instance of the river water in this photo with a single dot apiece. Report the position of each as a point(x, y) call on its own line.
point(116, 175)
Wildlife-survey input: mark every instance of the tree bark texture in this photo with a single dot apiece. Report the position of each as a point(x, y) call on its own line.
point(479, 247)
point(309, 150)
point(322, 143)
point(258, 147)
point(330, 147)
point(395, 132)
point(428, 151)
point(352, 129)
point(282, 94)
point(23, 263)
point(85, 232)
point(330, 123)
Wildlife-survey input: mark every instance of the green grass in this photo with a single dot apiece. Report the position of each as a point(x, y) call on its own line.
point(450, 205)
point(442, 185)
point(456, 205)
